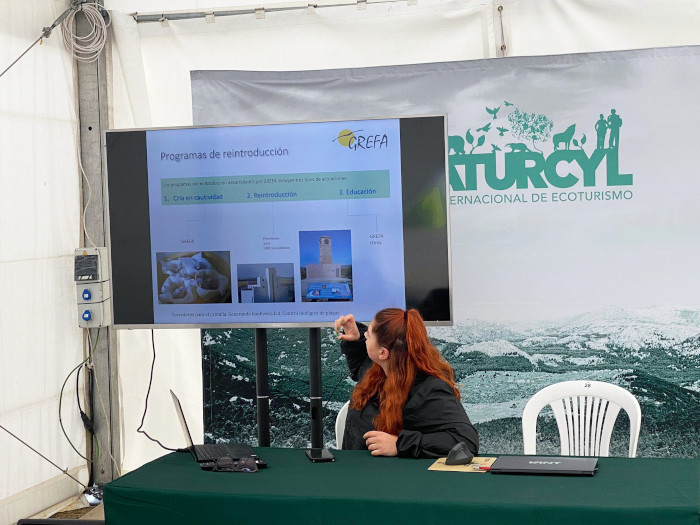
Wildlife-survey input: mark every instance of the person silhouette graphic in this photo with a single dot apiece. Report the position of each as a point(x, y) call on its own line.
point(601, 129)
point(614, 123)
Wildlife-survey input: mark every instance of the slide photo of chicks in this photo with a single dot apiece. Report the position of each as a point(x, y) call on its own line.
point(194, 277)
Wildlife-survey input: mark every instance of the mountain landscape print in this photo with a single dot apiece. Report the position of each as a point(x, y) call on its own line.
point(652, 352)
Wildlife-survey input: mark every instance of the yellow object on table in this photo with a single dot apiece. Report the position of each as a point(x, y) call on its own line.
point(475, 466)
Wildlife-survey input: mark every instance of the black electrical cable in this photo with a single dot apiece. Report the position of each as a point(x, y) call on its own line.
point(77, 389)
point(148, 392)
point(89, 426)
point(87, 422)
point(60, 402)
point(91, 403)
point(330, 397)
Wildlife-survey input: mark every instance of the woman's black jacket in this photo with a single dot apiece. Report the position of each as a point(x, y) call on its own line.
point(433, 418)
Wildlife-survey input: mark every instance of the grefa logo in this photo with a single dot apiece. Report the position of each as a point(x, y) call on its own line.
point(354, 140)
point(518, 140)
point(544, 462)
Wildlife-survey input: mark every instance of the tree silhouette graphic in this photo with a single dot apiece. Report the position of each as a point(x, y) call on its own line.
point(530, 126)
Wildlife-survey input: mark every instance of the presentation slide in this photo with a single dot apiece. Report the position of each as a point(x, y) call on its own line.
point(284, 223)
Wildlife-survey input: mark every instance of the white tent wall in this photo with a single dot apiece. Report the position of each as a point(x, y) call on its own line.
point(40, 342)
point(151, 87)
point(178, 367)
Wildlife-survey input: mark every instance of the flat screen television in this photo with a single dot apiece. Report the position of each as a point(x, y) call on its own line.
point(278, 225)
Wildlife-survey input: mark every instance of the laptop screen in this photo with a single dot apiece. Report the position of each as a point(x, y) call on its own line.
point(181, 417)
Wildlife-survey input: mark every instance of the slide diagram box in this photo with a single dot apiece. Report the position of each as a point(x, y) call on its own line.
point(370, 184)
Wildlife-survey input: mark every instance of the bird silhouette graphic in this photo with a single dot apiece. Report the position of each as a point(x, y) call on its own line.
point(484, 128)
point(493, 112)
point(501, 131)
point(507, 103)
point(495, 148)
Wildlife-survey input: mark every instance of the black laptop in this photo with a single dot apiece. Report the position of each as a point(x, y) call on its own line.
point(557, 465)
point(210, 451)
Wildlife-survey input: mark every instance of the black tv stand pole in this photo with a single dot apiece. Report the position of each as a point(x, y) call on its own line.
point(262, 387)
point(315, 387)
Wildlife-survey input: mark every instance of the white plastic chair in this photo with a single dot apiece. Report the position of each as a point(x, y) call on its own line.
point(340, 425)
point(585, 412)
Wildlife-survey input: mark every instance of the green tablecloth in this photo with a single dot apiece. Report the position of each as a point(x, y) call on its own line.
point(360, 489)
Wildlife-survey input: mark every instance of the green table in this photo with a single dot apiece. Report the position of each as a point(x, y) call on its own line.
point(360, 489)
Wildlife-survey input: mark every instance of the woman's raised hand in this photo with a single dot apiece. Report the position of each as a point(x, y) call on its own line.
point(346, 328)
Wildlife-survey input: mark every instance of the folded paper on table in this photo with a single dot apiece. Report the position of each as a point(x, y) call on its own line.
point(474, 466)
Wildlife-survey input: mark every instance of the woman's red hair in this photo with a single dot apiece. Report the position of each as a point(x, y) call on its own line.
point(405, 336)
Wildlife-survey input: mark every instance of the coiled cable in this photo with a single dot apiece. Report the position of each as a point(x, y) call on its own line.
point(86, 48)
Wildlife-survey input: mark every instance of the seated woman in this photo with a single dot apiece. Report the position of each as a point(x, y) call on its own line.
point(405, 402)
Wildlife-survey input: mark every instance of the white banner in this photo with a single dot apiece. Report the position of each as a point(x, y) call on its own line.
point(575, 227)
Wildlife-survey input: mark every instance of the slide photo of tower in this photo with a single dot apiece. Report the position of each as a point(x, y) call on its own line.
point(266, 283)
point(326, 265)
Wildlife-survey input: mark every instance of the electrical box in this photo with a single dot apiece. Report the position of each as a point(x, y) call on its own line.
point(91, 276)
point(91, 265)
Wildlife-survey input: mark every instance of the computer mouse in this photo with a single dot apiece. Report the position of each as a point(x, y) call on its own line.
point(459, 455)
